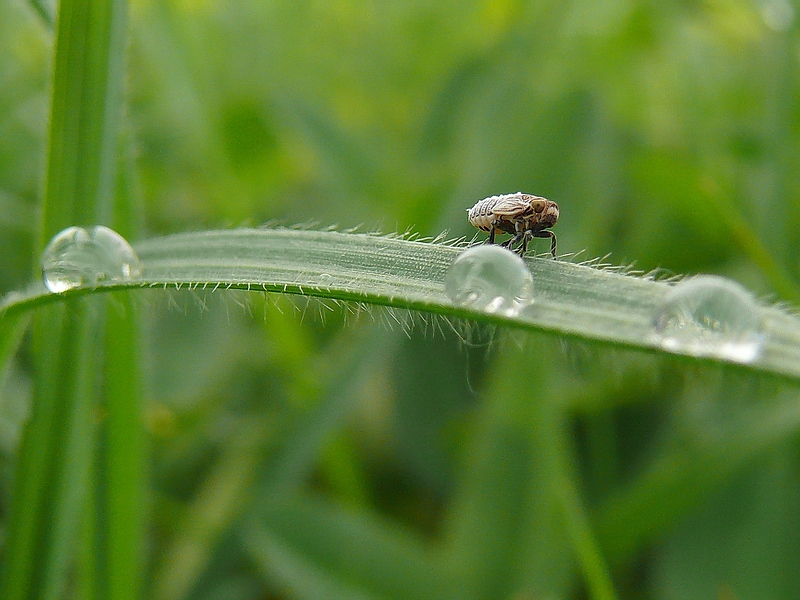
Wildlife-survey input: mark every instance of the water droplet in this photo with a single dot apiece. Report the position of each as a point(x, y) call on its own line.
point(711, 316)
point(76, 257)
point(490, 278)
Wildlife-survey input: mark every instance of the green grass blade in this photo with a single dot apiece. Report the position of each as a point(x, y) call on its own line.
point(54, 465)
point(11, 332)
point(45, 12)
point(223, 498)
point(551, 430)
point(490, 523)
point(122, 468)
point(519, 522)
point(674, 483)
point(87, 83)
point(571, 300)
point(313, 547)
point(218, 503)
point(54, 457)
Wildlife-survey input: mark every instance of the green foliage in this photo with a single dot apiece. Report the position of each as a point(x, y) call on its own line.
point(321, 420)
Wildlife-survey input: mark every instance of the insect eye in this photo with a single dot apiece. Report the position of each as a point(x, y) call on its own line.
point(537, 206)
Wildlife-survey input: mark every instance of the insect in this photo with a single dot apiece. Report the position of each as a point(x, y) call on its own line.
point(523, 215)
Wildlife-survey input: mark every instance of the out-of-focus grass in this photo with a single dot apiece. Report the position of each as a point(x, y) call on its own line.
point(666, 132)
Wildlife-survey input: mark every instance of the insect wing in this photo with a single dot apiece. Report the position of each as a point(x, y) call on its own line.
point(510, 207)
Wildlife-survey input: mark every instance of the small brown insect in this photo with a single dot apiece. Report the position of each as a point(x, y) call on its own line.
point(522, 215)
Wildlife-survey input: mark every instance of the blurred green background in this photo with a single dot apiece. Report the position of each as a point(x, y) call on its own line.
point(667, 131)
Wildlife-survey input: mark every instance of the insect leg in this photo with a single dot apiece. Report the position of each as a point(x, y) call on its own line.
point(526, 237)
point(518, 235)
point(547, 233)
point(491, 233)
point(510, 243)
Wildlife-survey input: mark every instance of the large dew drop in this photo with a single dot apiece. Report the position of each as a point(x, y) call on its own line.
point(710, 316)
point(490, 278)
point(77, 257)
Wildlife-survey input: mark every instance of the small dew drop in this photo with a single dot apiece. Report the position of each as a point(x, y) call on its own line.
point(490, 278)
point(710, 316)
point(77, 257)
